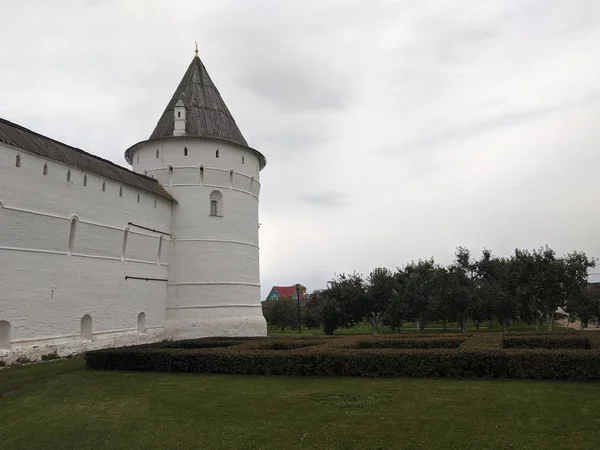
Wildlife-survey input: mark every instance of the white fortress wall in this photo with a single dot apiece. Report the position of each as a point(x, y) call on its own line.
point(66, 246)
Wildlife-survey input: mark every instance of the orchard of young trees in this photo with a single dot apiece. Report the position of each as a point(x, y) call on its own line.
point(527, 286)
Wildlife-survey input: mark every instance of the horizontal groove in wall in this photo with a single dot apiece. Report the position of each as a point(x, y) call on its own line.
point(214, 283)
point(227, 241)
point(214, 306)
point(216, 186)
point(56, 216)
point(71, 336)
point(33, 250)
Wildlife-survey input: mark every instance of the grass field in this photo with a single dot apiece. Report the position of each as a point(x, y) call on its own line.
point(409, 327)
point(59, 405)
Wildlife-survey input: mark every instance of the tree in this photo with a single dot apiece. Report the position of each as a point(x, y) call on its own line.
point(461, 287)
point(421, 288)
point(580, 301)
point(398, 309)
point(346, 296)
point(312, 316)
point(494, 285)
point(281, 313)
point(379, 293)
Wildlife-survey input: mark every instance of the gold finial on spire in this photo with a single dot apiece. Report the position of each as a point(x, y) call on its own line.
point(196, 51)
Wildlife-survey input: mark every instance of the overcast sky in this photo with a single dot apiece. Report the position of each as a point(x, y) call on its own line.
point(393, 130)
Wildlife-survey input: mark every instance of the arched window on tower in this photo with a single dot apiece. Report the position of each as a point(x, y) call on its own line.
point(201, 174)
point(86, 327)
point(184, 151)
point(231, 176)
point(216, 204)
point(141, 322)
point(4, 334)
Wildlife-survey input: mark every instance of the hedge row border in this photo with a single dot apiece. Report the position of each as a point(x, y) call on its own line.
point(480, 356)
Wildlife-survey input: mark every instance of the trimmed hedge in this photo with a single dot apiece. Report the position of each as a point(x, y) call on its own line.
point(548, 342)
point(479, 356)
point(446, 342)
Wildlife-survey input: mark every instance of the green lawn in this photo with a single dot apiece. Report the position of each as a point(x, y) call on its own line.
point(60, 405)
point(409, 327)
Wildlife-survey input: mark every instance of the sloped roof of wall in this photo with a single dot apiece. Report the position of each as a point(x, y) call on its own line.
point(32, 142)
point(207, 116)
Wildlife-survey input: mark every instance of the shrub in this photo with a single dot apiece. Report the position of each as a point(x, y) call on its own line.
point(22, 360)
point(448, 342)
point(50, 356)
point(546, 341)
point(2, 363)
point(479, 355)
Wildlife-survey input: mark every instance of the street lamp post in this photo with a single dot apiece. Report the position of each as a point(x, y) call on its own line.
point(298, 300)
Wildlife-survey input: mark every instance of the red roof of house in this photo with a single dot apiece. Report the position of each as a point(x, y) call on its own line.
point(287, 291)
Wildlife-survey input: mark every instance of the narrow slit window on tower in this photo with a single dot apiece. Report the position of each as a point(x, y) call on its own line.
point(170, 176)
point(85, 180)
point(154, 202)
point(72, 234)
point(103, 186)
point(184, 151)
point(201, 174)
point(69, 176)
point(217, 153)
point(45, 169)
point(121, 191)
point(231, 176)
point(138, 159)
point(18, 162)
point(243, 160)
point(138, 198)
point(124, 247)
point(157, 153)
point(160, 244)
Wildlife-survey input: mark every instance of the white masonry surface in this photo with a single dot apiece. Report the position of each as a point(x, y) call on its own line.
point(70, 241)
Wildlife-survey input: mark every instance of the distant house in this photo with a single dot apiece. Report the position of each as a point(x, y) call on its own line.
point(278, 292)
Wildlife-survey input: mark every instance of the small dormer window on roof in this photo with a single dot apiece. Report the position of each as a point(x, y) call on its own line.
point(179, 115)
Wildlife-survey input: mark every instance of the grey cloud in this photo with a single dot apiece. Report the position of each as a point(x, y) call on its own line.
point(293, 87)
point(325, 199)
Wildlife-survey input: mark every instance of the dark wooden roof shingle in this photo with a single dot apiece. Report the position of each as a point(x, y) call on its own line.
point(207, 115)
point(45, 147)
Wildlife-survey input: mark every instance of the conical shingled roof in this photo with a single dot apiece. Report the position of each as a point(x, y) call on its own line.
point(207, 115)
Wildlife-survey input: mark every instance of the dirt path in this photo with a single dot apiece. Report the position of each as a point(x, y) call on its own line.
point(577, 325)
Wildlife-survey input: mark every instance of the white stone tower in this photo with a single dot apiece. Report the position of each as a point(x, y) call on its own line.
point(199, 155)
